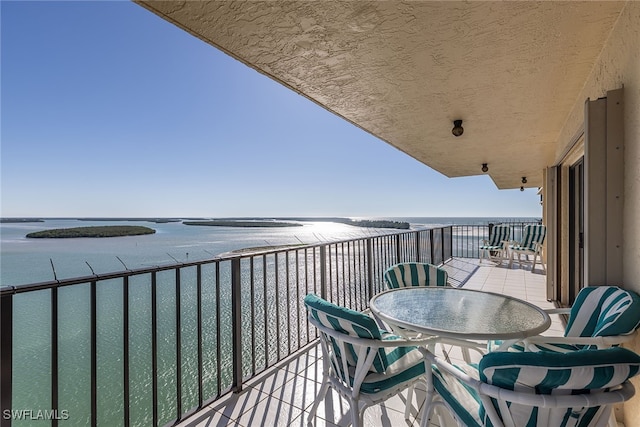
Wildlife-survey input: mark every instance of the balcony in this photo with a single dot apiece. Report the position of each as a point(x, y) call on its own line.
point(283, 395)
point(220, 341)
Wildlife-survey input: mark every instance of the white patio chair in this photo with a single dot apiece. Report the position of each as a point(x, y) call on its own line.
point(363, 364)
point(531, 244)
point(530, 389)
point(415, 274)
point(496, 248)
point(601, 317)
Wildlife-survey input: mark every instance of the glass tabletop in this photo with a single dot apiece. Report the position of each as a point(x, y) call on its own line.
point(460, 313)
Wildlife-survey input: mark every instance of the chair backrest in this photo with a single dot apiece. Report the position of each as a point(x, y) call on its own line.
point(589, 373)
point(415, 274)
point(345, 322)
point(602, 311)
point(532, 235)
point(499, 234)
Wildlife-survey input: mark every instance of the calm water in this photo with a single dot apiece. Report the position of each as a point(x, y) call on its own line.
point(25, 260)
point(30, 260)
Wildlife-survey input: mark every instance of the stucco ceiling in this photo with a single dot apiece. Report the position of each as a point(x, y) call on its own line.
point(404, 71)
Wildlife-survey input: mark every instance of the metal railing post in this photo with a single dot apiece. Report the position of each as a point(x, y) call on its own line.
point(94, 353)
point(323, 272)
point(6, 351)
point(442, 243)
point(369, 262)
point(236, 325)
point(398, 258)
point(431, 254)
point(417, 236)
point(178, 347)
point(54, 354)
point(125, 352)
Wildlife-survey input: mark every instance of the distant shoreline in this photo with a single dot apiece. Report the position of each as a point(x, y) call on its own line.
point(237, 221)
point(19, 220)
point(233, 223)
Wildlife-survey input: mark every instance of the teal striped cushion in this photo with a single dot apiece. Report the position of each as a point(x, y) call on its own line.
point(557, 373)
point(532, 234)
point(415, 274)
point(349, 322)
point(603, 311)
point(499, 234)
point(598, 311)
point(404, 364)
point(464, 400)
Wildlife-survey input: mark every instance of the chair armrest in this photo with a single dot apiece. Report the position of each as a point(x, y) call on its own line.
point(600, 342)
point(560, 310)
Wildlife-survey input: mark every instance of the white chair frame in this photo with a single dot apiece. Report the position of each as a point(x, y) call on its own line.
point(358, 401)
point(501, 254)
point(537, 254)
point(604, 400)
point(599, 342)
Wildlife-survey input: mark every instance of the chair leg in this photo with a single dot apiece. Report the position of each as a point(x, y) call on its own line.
point(356, 413)
point(407, 406)
point(544, 268)
point(612, 420)
point(319, 398)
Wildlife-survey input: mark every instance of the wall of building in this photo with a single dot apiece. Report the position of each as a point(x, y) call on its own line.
point(619, 66)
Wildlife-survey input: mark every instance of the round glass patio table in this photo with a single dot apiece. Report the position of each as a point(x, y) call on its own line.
point(460, 313)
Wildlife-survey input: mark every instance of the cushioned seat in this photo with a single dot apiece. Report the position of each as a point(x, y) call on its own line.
point(533, 389)
point(362, 363)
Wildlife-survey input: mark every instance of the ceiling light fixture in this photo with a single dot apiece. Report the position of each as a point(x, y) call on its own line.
point(524, 181)
point(457, 128)
point(485, 168)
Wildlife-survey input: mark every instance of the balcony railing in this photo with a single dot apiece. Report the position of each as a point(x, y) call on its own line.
point(151, 346)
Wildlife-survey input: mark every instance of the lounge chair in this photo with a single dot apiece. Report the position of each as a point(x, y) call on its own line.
point(531, 244)
point(496, 248)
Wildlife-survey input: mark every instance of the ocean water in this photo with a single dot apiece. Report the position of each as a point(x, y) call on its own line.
point(30, 260)
point(24, 261)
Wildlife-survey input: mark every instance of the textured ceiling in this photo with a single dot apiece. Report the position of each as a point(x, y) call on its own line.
point(404, 71)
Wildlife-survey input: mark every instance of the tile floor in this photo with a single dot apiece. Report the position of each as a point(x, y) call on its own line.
point(283, 395)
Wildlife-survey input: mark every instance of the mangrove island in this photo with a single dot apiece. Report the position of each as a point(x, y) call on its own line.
point(98, 231)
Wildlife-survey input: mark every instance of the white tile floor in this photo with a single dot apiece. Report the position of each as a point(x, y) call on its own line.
point(283, 395)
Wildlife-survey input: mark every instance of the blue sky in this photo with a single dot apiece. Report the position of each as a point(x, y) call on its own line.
point(108, 110)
